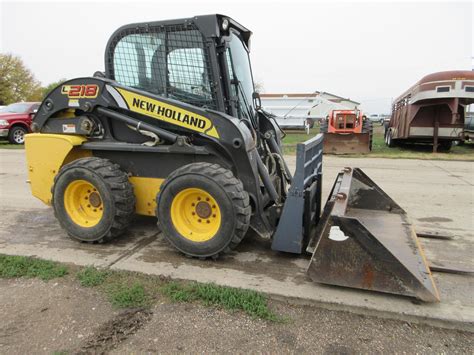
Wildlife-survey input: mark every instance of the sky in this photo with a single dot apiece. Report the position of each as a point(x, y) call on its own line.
point(368, 51)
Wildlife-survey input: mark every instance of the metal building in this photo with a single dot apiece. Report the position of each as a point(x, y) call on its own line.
point(299, 111)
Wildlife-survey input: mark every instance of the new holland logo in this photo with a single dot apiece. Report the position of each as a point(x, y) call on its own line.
point(168, 113)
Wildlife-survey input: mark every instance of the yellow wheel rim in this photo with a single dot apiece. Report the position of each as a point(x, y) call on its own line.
point(195, 215)
point(83, 203)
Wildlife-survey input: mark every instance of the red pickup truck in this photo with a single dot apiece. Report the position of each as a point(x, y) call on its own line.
point(15, 121)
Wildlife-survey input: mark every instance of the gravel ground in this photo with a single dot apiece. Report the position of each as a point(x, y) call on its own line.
point(45, 317)
point(193, 328)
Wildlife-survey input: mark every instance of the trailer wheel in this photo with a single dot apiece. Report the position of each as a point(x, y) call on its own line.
point(445, 145)
point(389, 139)
point(93, 199)
point(203, 210)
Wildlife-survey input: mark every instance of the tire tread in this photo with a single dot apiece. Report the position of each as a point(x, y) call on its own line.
point(233, 188)
point(122, 193)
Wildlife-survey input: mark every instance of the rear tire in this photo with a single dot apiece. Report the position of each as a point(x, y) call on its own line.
point(203, 210)
point(16, 135)
point(93, 199)
point(389, 139)
point(323, 127)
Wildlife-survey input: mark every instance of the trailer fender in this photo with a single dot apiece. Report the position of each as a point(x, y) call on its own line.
point(45, 155)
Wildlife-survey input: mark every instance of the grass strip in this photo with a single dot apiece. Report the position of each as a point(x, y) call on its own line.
point(123, 295)
point(380, 150)
point(12, 266)
point(251, 302)
point(6, 145)
point(91, 277)
point(134, 290)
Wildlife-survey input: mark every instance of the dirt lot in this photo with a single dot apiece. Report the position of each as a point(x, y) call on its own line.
point(61, 316)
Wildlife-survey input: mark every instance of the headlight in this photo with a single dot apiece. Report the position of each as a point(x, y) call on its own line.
point(225, 24)
point(3, 123)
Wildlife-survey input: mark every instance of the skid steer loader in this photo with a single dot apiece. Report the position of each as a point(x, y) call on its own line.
point(174, 129)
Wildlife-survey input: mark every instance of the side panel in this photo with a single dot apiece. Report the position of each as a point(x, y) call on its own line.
point(145, 190)
point(45, 154)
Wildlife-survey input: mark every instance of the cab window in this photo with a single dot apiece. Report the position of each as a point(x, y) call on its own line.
point(172, 64)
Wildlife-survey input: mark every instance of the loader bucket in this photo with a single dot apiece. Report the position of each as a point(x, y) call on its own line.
point(350, 143)
point(365, 240)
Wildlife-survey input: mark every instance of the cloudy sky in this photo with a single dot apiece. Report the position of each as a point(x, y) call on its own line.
point(368, 51)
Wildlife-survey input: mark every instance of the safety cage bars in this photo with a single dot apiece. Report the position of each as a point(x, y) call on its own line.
point(171, 61)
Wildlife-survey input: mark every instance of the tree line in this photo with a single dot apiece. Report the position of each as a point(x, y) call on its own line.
point(17, 82)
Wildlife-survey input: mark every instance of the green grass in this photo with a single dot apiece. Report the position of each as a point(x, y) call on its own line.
point(7, 145)
point(418, 151)
point(128, 296)
point(21, 266)
point(132, 290)
point(123, 289)
point(251, 302)
point(380, 150)
point(293, 137)
point(91, 277)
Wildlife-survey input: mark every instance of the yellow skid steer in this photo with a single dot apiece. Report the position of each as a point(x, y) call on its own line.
point(174, 129)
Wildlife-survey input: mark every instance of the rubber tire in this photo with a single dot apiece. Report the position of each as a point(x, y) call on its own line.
point(228, 192)
point(323, 126)
point(367, 126)
point(445, 146)
point(11, 134)
point(389, 141)
point(386, 127)
point(116, 193)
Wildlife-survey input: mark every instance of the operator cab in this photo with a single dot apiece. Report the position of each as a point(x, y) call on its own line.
point(203, 61)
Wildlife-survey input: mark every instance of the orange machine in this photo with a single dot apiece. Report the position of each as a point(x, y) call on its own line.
point(346, 132)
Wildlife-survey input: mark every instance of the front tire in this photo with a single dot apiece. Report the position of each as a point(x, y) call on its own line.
point(16, 135)
point(203, 210)
point(93, 199)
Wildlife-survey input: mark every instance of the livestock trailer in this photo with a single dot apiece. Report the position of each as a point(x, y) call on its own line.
point(432, 110)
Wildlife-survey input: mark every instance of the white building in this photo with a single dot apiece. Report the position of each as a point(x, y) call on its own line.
point(300, 110)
